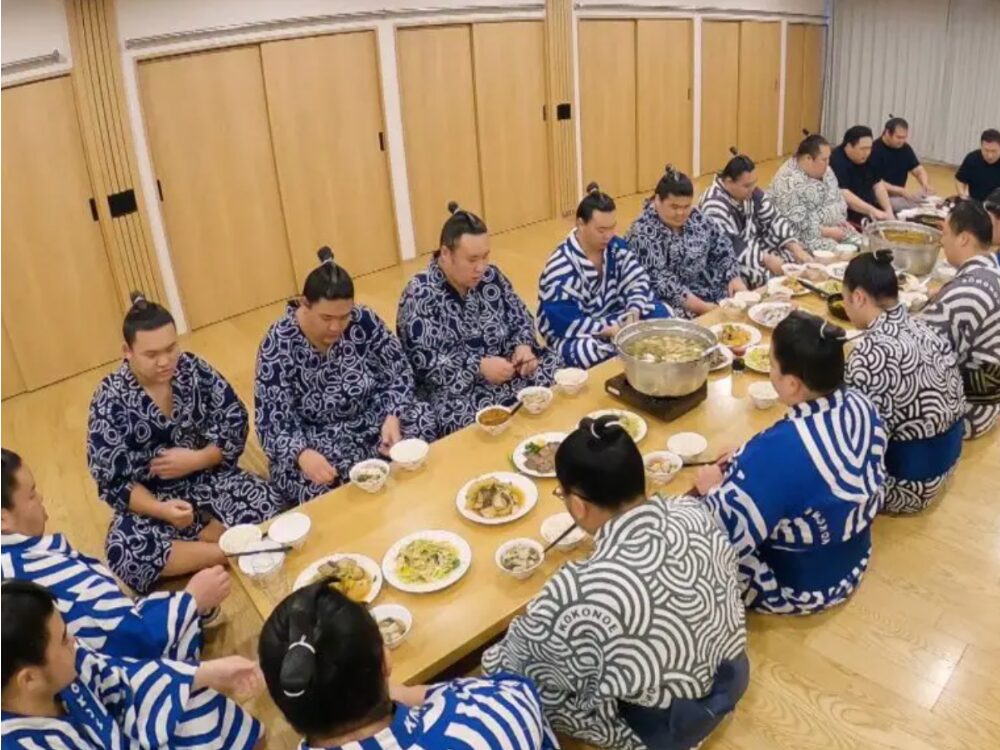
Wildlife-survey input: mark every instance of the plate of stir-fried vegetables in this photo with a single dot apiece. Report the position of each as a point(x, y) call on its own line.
point(426, 561)
point(498, 497)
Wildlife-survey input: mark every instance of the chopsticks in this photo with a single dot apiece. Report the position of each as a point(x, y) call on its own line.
point(815, 289)
point(559, 538)
point(245, 553)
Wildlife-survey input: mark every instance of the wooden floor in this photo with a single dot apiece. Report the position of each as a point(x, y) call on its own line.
point(911, 662)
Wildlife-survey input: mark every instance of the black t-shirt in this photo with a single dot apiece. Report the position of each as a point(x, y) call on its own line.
point(893, 164)
point(982, 178)
point(860, 179)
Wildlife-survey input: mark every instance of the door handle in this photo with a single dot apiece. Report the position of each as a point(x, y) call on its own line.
point(93, 210)
point(381, 141)
point(159, 190)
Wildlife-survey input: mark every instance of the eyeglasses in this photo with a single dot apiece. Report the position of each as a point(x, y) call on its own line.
point(563, 494)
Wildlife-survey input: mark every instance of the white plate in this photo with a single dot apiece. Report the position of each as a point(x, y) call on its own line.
point(366, 563)
point(756, 312)
point(727, 356)
point(521, 482)
point(751, 331)
point(779, 286)
point(746, 360)
point(641, 425)
point(433, 535)
point(836, 270)
point(521, 452)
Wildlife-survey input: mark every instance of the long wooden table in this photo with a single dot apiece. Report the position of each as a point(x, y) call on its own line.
point(450, 624)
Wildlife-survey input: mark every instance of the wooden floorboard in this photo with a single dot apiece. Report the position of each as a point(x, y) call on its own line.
point(911, 662)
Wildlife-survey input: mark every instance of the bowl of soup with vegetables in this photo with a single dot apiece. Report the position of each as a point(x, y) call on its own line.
point(665, 357)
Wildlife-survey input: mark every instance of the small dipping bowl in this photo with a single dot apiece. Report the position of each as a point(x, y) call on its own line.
point(266, 565)
point(370, 475)
point(239, 538)
point(536, 398)
point(570, 380)
point(792, 270)
point(493, 429)
point(825, 256)
point(410, 453)
point(290, 528)
point(397, 612)
point(520, 573)
point(845, 251)
point(688, 445)
point(555, 525)
point(655, 458)
point(763, 395)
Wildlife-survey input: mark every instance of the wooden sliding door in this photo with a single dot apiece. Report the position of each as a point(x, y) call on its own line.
point(509, 65)
point(664, 68)
point(760, 79)
point(720, 84)
point(813, 57)
point(793, 120)
point(325, 104)
point(62, 312)
point(608, 104)
point(207, 124)
point(439, 125)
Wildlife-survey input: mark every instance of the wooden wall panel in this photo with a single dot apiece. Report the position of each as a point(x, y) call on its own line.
point(60, 306)
point(510, 104)
point(325, 106)
point(813, 58)
point(608, 105)
point(100, 99)
point(439, 126)
point(10, 376)
point(720, 80)
point(664, 72)
point(562, 133)
point(206, 119)
point(792, 129)
point(760, 79)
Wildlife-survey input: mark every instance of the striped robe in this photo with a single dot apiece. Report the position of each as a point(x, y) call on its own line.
point(967, 312)
point(129, 704)
point(93, 607)
point(446, 336)
point(576, 303)
point(498, 713)
point(804, 536)
point(126, 430)
point(809, 205)
point(911, 375)
point(647, 619)
point(755, 227)
point(334, 402)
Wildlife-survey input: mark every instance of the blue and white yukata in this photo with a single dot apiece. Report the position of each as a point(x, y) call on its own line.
point(798, 500)
point(97, 613)
point(127, 430)
point(755, 227)
point(967, 312)
point(335, 402)
point(911, 375)
point(698, 259)
point(498, 713)
point(446, 335)
point(576, 302)
point(130, 704)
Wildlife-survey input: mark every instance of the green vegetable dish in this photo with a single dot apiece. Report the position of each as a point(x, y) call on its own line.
point(426, 561)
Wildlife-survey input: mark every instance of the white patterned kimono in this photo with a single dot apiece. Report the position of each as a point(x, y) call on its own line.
point(803, 535)
point(911, 375)
point(755, 227)
point(809, 205)
point(967, 312)
point(130, 704)
point(647, 620)
point(95, 610)
point(576, 303)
